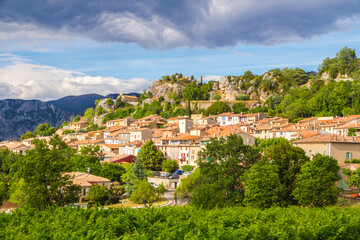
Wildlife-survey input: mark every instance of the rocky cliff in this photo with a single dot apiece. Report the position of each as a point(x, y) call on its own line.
point(19, 116)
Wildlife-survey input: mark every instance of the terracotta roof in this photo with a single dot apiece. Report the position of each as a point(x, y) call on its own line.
point(325, 138)
point(120, 158)
point(349, 125)
point(184, 137)
point(308, 133)
point(111, 145)
point(84, 179)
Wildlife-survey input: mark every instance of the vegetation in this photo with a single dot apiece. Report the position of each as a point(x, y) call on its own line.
point(182, 223)
point(187, 168)
point(222, 173)
point(99, 194)
point(316, 184)
point(45, 182)
point(37, 178)
point(217, 108)
point(262, 186)
point(288, 160)
point(151, 156)
point(145, 193)
point(42, 130)
point(170, 165)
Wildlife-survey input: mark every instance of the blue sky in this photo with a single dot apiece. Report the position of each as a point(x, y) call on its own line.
point(50, 49)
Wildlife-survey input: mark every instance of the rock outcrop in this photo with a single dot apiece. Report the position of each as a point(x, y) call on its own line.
point(19, 116)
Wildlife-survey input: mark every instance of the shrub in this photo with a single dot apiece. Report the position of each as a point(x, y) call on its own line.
point(170, 165)
point(217, 97)
point(187, 168)
point(241, 97)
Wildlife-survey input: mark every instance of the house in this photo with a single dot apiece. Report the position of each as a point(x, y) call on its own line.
point(120, 122)
point(204, 121)
point(185, 124)
point(131, 148)
point(15, 146)
point(339, 147)
point(121, 159)
point(86, 181)
point(110, 148)
point(129, 99)
point(140, 134)
point(76, 126)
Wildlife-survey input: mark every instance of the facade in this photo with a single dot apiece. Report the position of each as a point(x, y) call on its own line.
point(142, 134)
point(338, 147)
point(86, 181)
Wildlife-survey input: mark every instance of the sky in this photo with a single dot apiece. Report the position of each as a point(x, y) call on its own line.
point(52, 48)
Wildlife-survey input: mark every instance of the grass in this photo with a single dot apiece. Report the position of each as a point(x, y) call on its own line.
point(128, 203)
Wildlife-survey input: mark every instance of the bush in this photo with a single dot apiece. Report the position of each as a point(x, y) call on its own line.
point(170, 165)
point(114, 199)
point(67, 131)
point(109, 102)
point(217, 97)
point(241, 97)
point(187, 168)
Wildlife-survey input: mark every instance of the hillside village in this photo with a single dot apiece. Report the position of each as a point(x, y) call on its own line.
point(181, 138)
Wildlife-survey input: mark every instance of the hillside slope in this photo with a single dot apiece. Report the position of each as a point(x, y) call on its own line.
point(19, 116)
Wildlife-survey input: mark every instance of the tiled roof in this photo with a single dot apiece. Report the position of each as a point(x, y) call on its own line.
point(84, 179)
point(326, 138)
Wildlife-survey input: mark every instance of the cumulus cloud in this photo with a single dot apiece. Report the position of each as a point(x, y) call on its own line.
point(28, 81)
point(162, 24)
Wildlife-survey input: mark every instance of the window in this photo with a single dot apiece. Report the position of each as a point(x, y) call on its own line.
point(248, 140)
point(348, 155)
point(309, 153)
point(324, 152)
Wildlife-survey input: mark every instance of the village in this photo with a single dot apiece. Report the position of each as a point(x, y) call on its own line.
point(182, 138)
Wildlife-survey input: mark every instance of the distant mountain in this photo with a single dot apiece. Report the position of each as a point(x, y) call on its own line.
point(79, 104)
point(76, 104)
point(19, 116)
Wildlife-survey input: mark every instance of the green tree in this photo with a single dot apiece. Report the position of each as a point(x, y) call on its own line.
point(216, 97)
point(263, 188)
point(289, 161)
point(27, 135)
point(18, 193)
point(316, 184)
point(145, 193)
point(42, 169)
point(223, 163)
point(132, 173)
point(99, 194)
point(241, 97)
point(189, 185)
point(239, 108)
point(89, 113)
point(88, 159)
point(112, 171)
point(77, 118)
point(3, 187)
point(170, 165)
point(151, 156)
point(217, 108)
point(45, 130)
point(109, 102)
point(64, 124)
point(353, 177)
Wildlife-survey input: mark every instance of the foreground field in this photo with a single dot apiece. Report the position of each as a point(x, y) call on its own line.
point(182, 223)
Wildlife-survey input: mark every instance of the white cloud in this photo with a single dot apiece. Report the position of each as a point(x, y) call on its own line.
point(212, 78)
point(30, 81)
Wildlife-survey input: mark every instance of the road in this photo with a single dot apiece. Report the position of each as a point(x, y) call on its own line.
point(169, 195)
